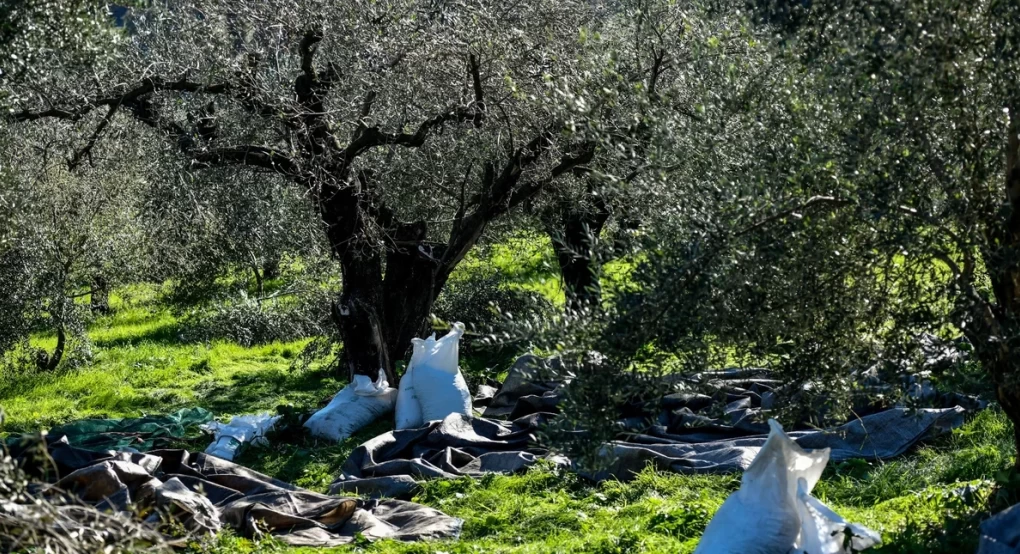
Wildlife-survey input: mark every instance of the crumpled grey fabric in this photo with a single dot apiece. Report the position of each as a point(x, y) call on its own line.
point(689, 435)
point(456, 446)
point(205, 493)
point(874, 437)
point(523, 391)
point(1000, 534)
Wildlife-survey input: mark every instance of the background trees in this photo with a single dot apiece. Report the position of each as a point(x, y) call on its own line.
point(76, 234)
point(815, 186)
point(924, 99)
point(864, 197)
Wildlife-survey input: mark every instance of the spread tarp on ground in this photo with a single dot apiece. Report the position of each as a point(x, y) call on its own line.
point(1000, 534)
point(207, 494)
point(143, 433)
point(683, 438)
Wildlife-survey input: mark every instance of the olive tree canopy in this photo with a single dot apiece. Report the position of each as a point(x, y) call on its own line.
point(410, 125)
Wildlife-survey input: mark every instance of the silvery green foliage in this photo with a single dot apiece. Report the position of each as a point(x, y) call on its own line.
point(69, 228)
point(216, 235)
point(859, 200)
point(403, 62)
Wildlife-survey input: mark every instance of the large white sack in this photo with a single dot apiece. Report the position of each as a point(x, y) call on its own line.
point(355, 406)
point(773, 512)
point(408, 412)
point(438, 383)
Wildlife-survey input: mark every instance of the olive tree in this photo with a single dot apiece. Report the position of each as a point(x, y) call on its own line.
point(410, 125)
point(670, 74)
point(48, 251)
point(223, 223)
point(925, 110)
point(76, 234)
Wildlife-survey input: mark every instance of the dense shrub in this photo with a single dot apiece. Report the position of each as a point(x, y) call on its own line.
point(248, 321)
point(481, 300)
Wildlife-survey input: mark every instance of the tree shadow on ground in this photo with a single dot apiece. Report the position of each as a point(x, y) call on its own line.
point(168, 334)
point(958, 533)
point(262, 390)
point(294, 456)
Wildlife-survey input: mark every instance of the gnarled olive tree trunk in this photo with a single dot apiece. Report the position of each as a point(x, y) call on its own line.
point(574, 240)
point(992, 326)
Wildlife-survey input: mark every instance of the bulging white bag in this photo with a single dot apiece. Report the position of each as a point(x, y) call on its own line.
point(408, 410)
point(438, 383)
point(773, 512)
point(355, 406)
point(229, 437)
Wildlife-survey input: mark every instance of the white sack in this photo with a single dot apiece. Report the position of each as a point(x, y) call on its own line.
point(228, 437)
point(408, 410)
point(438, 383)
point(773, 512)
point(355, 406)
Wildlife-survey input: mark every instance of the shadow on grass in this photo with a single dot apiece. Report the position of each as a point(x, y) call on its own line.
point(958, 533)
point(168, 334)
point(249, 389)
point(296, 457)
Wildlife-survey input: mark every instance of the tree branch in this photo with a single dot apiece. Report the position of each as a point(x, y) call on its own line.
point(308, 47)
point(87, 149)
point(476, 82)
point(149, 86)
point(813, 201)
point(249, 155)
point(366, 138)
point(569, 163)
point(372, 137)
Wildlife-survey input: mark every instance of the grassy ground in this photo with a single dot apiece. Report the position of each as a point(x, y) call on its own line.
point(141, 366)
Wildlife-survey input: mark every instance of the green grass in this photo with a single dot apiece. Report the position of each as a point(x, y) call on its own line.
point(527, 261)
point(140, 366)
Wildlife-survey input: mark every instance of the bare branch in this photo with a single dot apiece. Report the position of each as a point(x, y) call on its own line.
point(147, 86)
point(372, 137)
point(87, 149)
point(476, 81)
point(366, 107)
point(811, 202)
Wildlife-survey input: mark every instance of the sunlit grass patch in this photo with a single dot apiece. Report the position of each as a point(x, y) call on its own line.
point(140, 366)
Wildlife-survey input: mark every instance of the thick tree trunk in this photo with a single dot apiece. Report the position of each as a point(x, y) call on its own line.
point(410, 285)
point(271, 268)
point(50, 362)
point(574, 245)
point(100, 296)
point(360, 315)
point(993, 327)
point(377, 316)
